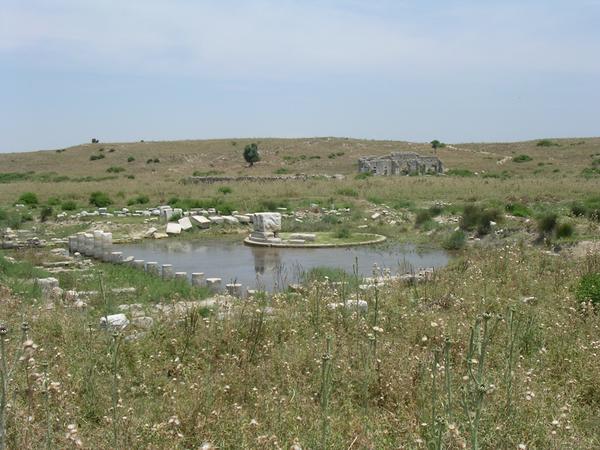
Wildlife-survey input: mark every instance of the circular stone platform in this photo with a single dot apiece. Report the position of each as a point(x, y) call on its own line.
point(323, 240)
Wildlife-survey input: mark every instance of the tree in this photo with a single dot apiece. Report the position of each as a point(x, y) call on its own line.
point(251, 154)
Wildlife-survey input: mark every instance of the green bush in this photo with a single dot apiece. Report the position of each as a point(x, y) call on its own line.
point(588, 289)
point(422, 216)
point(225, 190)
point(547, 143)
point(45, 213)
point(522, 158)
point(130, 159)
point(139, 200)
point(115, 169)
point(342, 233)
point(363, 176)
point(68, 205)
point(547, 223)
point(517, 210)
point(100, 199)
point(96, 157)
point(53, 201)
point(281, 171)
point(455, 241)
point(564, 230)
point(475, 217)
point(578, 210)
point(28, 198)
point(460, 173)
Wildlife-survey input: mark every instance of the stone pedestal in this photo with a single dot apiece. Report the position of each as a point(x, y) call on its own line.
point(138, 264)
point(234, 289)
point(152, 268)
point(167, 271)
point(197, 279)
point(214, 284)
point(97, 249)
point(116, 257)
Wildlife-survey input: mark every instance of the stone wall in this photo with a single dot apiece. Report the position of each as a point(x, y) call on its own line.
point(400, 163)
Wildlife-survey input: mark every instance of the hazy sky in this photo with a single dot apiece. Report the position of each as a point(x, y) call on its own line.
point(125, 70)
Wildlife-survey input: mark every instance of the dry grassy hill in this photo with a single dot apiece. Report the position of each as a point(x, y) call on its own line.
point(156, 168)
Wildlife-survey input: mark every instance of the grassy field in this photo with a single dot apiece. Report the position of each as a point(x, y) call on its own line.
point(498, 350)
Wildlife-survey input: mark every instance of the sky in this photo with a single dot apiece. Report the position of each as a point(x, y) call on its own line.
point(416, 70)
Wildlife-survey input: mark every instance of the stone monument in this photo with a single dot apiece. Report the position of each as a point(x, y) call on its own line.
point(267, 226)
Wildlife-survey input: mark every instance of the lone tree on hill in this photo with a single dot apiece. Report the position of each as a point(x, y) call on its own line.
point(435, 144)
point(251, 154)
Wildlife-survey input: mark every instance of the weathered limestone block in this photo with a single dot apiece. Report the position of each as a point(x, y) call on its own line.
point(242, 218)
point(167, 271)
point(214, 284)
point(150, 232)
point(160, 235)
point(230, 220)
point(97, 251)
point(116, 257)
point(234, 289)
point(142, 322)
point(173, 228)
point(267, 221)
point(152, 268)
point(116, 321)
point(185, 223)
point(201, 221)
point(181, 276)
point(46, 285)
point(216, 219)
point(198, 279)
point(297, 241)
point(138, 263)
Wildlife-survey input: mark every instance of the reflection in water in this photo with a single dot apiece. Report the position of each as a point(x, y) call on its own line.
point(265, 259)
point(274, 268)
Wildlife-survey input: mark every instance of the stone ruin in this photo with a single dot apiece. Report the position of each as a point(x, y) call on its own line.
point(267, 226)
point(400, 163)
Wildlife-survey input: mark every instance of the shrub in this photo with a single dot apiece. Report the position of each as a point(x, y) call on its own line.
point(225, 190)
point(149, 161)
point(547, 223)
point(251, 154)
point(564, 230)
point(28, 198)
point(363, 176)
point(100, 199)
point(547, 143)
point(208, 173)
point(130, 159)
point(522, 158)
point(156, 160)
point(588, 289)
point(45, 213)
point(281, 171)
point(68, 205)
point(578, 210)
point(96, 157)
point(139, 200)
point(422, 216)
point(111, 150)
point(175, 217)
point(474, 217)
point(517, 209)
point(455, 241)
point(470, 217)
point(130, 177)
point(53, 201)
point(342, 233)
point(115, 169)
point(460, 173)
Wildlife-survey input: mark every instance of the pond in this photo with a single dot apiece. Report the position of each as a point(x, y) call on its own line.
point(274, 268)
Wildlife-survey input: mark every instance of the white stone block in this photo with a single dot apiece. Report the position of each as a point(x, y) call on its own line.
point(173, 228)
point(201, 221)
point(118, 321)
point(185, 223)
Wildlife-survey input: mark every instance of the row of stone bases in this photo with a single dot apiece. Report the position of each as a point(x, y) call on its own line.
point(99, 245)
